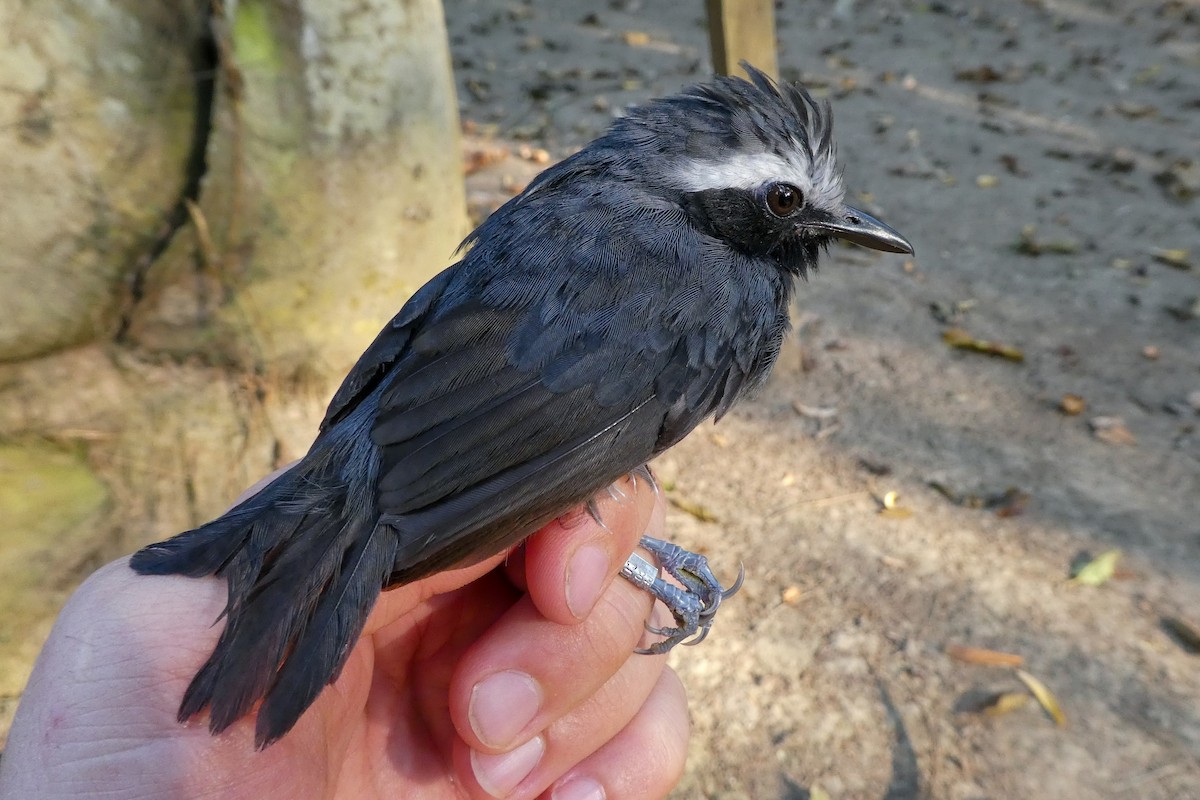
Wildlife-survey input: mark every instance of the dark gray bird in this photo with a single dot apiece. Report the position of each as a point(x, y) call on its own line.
point(632, 291)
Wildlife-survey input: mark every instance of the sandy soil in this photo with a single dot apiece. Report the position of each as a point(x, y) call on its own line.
point(959, 124)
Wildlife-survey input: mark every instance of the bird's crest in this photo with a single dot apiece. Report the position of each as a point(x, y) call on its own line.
point(748, 133)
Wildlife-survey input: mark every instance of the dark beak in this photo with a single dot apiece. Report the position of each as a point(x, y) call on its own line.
point(861, 228)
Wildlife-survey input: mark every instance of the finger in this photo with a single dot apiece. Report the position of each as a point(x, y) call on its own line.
point(644, 760)
point(529, 768)
point(527, 671)
point(570, 562)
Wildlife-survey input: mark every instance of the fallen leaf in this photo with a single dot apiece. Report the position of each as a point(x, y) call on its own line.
point(1147, 74)
point(482, 157)
point(984, 73)
point(1072, 405)
point(815, 792)
point(1177, 258)
point(1011, 502)
point(1187, 312)
point(1181, 180)
point(1003, 703)
point(961, 340)
point(1135, 110)
point(892, 508)
point(1011, 164)
point(636, 38)
point(695, 509)
point(1097, 571)
point(1111, 430)
point(1187, 634)
point(815, 412)
point(983, 656)
point(1008, 503)
point(1028, 244)
point(986, 181)
point(1044, 697)
point(792, 595)
point(537, 155)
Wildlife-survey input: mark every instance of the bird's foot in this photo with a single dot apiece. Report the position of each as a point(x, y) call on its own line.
point(694, 604)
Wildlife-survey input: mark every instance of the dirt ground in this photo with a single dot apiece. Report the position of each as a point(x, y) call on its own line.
point(962, 125)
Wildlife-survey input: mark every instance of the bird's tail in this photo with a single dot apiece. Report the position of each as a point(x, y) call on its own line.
point(305, 559)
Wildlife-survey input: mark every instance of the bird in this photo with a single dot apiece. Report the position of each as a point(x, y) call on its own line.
point(632, 291)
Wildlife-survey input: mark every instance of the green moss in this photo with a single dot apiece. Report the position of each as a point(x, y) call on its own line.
point(49, 502)
point(253, 37)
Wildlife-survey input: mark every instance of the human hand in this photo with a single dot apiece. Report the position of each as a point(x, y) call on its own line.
point(473, 683)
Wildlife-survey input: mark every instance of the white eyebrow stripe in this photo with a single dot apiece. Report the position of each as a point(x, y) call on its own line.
point(752, 170)
point(742, 171)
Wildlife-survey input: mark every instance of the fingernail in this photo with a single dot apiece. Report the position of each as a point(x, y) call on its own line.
point(499, 774)
point(578, 788)
point(502, 705)
point(585, 578)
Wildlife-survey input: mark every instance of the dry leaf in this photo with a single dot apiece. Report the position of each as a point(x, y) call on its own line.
point(815, 412)
point(986, 181)
point(1097, 571)
point(892, 508)
point(815, 792)
point(1187, 634)
point(1177, 258)
point(1072, 404)
point(983, 656)
point(482, 157)
point(1029, 245)
point(961, 340)
point(1111, 430)
point(695, 509)
point(1189, 310)
point(1044, 697)
point(1011, 502)
point(1181, 180)
point(984, 73)
point(792, 595)
point(1003, 703)
point(1135, 110)
point(636, 38)
point(537, 155)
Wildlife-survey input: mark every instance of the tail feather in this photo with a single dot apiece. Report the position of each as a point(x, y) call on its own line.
point(322, 648)
point(305, 561)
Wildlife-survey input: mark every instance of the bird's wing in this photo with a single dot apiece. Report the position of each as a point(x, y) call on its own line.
point(531, 382)
point(388, 346)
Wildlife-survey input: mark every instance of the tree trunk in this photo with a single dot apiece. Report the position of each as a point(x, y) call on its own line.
point(209, 213)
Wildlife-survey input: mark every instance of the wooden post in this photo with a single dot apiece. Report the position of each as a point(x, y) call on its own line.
point(742, 29)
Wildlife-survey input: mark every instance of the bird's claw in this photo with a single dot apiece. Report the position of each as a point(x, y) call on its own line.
point(694, 605)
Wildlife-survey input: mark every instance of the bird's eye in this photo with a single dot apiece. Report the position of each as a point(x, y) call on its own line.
point(783, 199)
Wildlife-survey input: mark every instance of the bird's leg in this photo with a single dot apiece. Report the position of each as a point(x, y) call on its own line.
point(694, 605)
